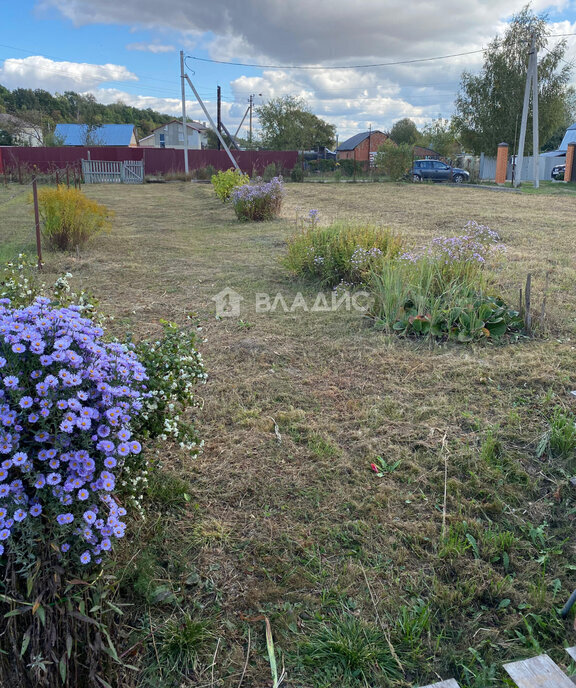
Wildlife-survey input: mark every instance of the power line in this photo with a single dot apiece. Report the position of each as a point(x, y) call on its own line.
point(329, 67)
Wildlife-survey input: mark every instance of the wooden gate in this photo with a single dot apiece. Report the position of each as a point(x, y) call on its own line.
point(113, 172)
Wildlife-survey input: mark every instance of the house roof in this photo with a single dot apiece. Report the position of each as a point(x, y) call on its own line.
point(356, 140)
point(197, 126)
point(569, 137)
point(104, 135)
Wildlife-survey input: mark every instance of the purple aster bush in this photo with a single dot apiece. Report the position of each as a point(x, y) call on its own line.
point(68, 399)
point(258, 200)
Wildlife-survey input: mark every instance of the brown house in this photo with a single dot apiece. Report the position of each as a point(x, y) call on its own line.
point(361, 147)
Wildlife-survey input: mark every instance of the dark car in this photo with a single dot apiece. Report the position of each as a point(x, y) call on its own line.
point(558, 172)
point(437, 171)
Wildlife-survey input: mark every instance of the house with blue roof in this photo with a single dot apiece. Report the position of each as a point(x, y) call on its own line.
point(122, 135)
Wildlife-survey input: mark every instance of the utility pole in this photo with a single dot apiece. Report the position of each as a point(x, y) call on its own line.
point(524, 122)
point(219, 112)
point(184, 126)
point(535, 136)
point(250, 106)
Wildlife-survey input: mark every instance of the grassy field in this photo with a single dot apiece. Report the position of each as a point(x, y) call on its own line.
point(454, 561)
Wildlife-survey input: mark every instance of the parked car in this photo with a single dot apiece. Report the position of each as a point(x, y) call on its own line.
point(437, 171)
point(558, 172)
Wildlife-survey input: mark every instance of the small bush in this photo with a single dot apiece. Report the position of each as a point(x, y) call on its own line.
point(270, 171)
point(342, 252)
point(560, 440)
point(259, 200)
point(297, 173)
point(225, 182)
point(204, 173)
point(69, 217)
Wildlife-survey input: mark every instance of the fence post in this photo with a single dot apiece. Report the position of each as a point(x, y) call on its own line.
point(37, 218)
point(568, 171)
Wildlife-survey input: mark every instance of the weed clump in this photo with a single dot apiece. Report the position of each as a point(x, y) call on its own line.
point(70, 218)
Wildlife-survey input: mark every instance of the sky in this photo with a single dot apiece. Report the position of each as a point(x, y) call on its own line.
point(323, 51)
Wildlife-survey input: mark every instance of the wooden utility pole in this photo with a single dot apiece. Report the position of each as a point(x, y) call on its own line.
point(184, 125)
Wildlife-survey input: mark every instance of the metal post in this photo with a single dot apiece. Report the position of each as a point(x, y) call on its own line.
point(37, 218)
point(184, 127)
point(219, 111)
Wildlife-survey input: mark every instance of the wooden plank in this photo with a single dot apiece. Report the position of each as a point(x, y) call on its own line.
point(450, 683)
point(572, 652)
point(538, 672)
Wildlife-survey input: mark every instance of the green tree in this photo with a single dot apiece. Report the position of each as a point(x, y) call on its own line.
point(287, 124)
point(489, 104)
point(405, 131)
point(441, 136)
point(394, 160)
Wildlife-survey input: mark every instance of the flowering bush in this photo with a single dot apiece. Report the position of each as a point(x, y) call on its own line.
point(258, 200)
point(225, 182)
point(341, 253)
point(174, 367)
point(67, 401)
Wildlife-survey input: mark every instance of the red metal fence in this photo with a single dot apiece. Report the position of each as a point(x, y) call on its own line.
point(156, 160)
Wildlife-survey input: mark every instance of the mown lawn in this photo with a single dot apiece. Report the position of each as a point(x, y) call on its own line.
point(452, 563)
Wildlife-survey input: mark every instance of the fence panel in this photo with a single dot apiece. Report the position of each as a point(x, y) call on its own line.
point(488, 168)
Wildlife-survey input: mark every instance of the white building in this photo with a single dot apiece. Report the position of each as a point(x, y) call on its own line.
point(22, 133)
point(171, 135)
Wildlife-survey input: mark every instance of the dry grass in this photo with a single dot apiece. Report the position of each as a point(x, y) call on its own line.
point(294, 527)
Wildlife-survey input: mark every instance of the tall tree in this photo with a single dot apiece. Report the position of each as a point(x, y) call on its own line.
point(441, 136)
point(404, 131)
point(287, 124)
point(489, 104)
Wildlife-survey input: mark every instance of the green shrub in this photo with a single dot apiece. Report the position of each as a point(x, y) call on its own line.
point(204, 173)
point(341, 252)
point(259, 200)
point(350, 167)
point(394, 159)
point(560, 440)
point(225, 182)
point(297, 173)
point(270, 171)
point(69, 217)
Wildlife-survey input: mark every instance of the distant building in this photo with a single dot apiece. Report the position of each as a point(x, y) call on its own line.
point(361, 147)
point(171, 135)
point(103, 135)
point(21, 133)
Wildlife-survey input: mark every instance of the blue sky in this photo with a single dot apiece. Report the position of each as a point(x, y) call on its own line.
point(129, 50)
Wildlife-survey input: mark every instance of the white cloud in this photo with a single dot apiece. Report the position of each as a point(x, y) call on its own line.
point(151, 47)
point(40, 72)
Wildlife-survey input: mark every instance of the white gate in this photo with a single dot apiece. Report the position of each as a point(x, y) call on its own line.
point(113, 172)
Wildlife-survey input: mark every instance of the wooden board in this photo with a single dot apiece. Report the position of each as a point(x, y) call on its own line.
point(450, 683)
point(538, 672)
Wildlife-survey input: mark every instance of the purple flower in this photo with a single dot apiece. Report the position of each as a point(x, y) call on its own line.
point(19, 515)
point(36, 510)
point(85, 557)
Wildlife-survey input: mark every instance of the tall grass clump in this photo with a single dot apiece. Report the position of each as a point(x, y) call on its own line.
point(258, 200)
point(341, 253)
point(444, 290)
point(69, 217)
point(225, 182)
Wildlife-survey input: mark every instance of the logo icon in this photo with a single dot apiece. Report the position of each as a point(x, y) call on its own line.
point(228, 303)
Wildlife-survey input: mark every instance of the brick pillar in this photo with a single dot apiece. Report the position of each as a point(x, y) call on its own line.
point(570, 153)
point(501, 163)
